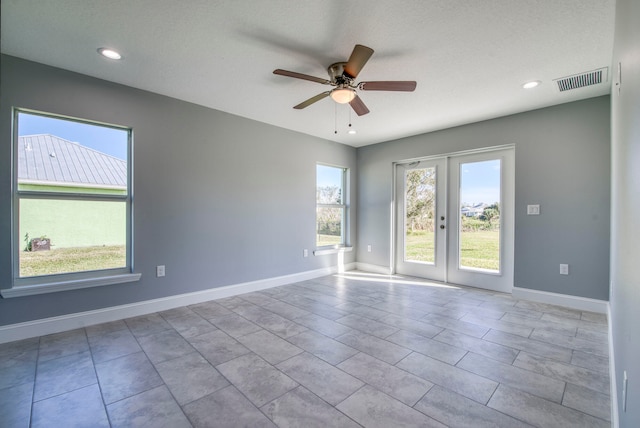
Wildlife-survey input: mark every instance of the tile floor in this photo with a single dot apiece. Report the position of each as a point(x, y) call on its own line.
point(346, 350)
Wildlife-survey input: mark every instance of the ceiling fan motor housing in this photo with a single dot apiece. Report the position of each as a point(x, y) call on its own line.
point(336, 74)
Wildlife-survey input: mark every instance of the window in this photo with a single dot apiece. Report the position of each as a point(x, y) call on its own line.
point(331, 206)
point(72, 203)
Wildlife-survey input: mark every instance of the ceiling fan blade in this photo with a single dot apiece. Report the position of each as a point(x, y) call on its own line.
point(312, 100)
point(301, 76)
point(358, 106)
point(357, 60)
point(390, 85)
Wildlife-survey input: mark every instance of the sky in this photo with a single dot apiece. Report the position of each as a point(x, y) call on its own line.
point(480, 182)
point(101, 138)
point(328, 176)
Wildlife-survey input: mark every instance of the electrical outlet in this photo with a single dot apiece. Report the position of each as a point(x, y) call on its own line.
point(564, 269)
point(159, 271)
point(369, 248)
point(305, 253)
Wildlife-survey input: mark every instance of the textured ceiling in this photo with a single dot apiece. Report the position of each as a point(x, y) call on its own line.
point(469, 58)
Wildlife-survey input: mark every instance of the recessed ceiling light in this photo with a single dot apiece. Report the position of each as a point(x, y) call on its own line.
point(531, 85)
point(109, 53)
point(352, 131)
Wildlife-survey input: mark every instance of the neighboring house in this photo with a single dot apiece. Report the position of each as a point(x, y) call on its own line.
point(474, 210)
point(47, 163)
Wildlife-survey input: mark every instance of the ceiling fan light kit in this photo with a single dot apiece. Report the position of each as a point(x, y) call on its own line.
point(342, 75)
point(343, 95)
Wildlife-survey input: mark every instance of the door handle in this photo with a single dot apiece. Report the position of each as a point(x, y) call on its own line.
point(442, 226)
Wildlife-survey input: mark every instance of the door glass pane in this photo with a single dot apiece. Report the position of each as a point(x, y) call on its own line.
point(420, 213)
point(64, 236)
point(479, 234)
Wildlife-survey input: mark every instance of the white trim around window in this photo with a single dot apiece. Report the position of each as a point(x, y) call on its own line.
point(61, 164)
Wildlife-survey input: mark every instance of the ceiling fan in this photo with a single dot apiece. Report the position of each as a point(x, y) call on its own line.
point(342, 76)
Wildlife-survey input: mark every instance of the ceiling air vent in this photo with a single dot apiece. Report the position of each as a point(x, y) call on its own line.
point(581, 80)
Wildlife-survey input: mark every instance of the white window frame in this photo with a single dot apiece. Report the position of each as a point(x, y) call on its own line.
point(344, 206)
point(25, 286)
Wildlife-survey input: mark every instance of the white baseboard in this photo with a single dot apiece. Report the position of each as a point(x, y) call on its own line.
point(615, 422)
point(573, 302)
point(25, 330)
point(366, 267)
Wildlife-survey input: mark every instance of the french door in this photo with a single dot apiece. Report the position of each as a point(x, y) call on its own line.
point(454, 219)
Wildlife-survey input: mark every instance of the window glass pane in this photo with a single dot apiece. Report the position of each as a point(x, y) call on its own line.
point(420, 213)
point(330, 212)
point(58, 155)
point(329, 223)
point(329, 184)
point(64, 236)
point(480, 215)
point(63, 233)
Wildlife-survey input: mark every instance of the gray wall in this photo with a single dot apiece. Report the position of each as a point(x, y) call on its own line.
point(218, 199)
point(562, 163)
point(625, 208)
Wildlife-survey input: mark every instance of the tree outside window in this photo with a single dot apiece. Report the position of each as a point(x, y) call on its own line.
point(330, 206)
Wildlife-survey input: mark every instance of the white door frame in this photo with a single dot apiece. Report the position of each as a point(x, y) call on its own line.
point(507, 229)
point(437, 270)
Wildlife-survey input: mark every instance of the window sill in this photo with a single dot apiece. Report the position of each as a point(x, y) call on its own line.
point(53, 287)
point(324, 251)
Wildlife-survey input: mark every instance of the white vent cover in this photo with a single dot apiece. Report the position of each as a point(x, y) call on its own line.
point(581, 80)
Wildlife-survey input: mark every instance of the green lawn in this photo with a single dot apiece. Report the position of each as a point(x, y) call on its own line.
point(66, 260)
point(326, 240)
point(479, 249)
point(420, 247)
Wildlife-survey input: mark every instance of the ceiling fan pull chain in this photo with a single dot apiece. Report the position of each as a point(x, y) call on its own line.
point(351, 130)
point(335, 122)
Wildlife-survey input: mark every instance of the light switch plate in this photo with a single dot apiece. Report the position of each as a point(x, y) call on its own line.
point(533, 209)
